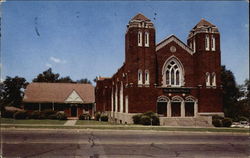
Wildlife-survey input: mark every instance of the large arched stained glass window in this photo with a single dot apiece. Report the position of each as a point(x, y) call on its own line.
point(173, 75)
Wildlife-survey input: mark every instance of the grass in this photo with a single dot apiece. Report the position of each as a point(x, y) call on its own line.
point(93, 122)
point(31, 121)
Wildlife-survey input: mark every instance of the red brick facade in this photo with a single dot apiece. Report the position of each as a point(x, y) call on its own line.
point(124, 93)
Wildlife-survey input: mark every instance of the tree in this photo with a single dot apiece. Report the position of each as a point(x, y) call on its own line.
point(66, 79)
point(12, 91)
point(47, 76)
point(230, 93)
point(84, 80)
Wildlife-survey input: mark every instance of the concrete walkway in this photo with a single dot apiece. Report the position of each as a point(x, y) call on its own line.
point(70, 123)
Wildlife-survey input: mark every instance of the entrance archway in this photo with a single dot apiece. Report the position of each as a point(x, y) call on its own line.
point(162, 103)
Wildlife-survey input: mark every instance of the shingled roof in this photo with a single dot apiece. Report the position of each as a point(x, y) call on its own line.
point(140, 16)
point(57, 92)
point(203, 22)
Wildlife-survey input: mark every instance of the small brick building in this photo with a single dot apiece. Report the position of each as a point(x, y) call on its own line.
point(180, 82)
point(72, 98)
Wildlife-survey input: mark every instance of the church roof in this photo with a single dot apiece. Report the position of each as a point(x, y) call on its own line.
point(58, 92)
point(203, 22)
point(140, 16)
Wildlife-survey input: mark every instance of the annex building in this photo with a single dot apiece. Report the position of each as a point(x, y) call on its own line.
point(73, 99)
point(180, 82)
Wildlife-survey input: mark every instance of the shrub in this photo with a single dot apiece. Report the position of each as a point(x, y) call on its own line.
point(47, 113)
point(8, 113)
point(145, 120)
point(217, 117)
point(52, 117)
point(20, 115)
point(137, 119)
point(104, 118)
point(217, 122)
point(155, 120)
point(61, 116)
point(97, 116)
point(35, 115)
point(84, 117)
point(243, 118)
point(227, 122)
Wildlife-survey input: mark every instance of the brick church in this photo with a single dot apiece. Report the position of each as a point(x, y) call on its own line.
point(180, 82)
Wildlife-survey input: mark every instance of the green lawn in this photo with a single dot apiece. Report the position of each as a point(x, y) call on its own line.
point(93, 122)
point(31, 121)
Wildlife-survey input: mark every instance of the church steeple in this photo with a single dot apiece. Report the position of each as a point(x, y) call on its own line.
point(140, 48)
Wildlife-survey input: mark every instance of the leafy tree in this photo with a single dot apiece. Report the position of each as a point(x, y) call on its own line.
point(12, 91)
point(84, 80)
point(66, 79)
point(47, 76)
point(230, 93)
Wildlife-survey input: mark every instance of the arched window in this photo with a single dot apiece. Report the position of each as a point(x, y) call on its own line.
point(139, 38)
point(146, 77)
point(173, 74)
point(146, 39)
point(213, 43)
point(139, 76)
point(213, 79)
point(207, 42)
point(208, 79)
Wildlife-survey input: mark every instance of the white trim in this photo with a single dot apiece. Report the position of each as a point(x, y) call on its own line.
point(147, 77)
point(177, 41)
point(207, 43)
point(208, 83)
point(139, 77)
point(146, 39)
point(139, 38)
point(213, 43)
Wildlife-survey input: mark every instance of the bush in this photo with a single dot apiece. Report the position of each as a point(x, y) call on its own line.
point(227, 122)
point(145, 120)
point(84, 117)
point(61, 116)
point(47, 113)
point(137, 119)
point(20, 115)
point(52, 117)
point(217, 122)
point(217, 117)
point(8, 113)
point(35, 115)
point(97, 116)
point(104, 118)
point(155, 120)
point(243, 118)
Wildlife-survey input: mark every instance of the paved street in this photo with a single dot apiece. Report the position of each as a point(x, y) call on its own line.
point(119, 144)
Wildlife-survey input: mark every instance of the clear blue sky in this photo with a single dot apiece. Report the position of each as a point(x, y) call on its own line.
point(86, 39)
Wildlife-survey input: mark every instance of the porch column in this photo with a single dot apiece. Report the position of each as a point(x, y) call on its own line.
point(182, 109)
point(39, 106)
point(168, 109)
point(195, 109)
point(53, 107)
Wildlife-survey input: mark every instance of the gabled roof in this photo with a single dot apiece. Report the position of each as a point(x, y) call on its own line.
point(140, 16)
point(57, 92)
point(203, 22)
point(176, 40)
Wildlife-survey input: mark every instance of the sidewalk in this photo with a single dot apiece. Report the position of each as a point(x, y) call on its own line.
point(70, 123)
